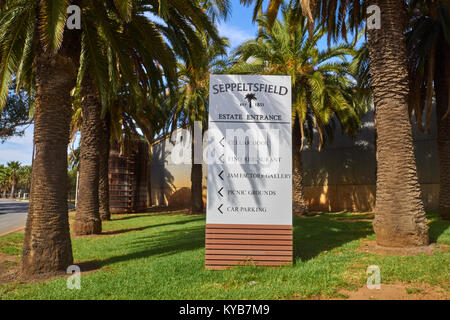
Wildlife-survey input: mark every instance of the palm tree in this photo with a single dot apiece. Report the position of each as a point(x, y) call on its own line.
point(321, 83)
point(44, 55)
point(87, 218)
point(249, 97)
point(4, 180)
point(428, 43)
point(13, 170)
point(216, 9)
point(103, 179)
point(399, 214)
point(144, 64)
point(191, 103)
point(25, 177)
point(187, 40)
point(101, 41)
point(36, 47)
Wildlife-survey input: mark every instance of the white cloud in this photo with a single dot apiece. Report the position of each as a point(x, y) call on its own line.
point(235, 34)
point(21, 148)
point(23, 156)
point(18, 148)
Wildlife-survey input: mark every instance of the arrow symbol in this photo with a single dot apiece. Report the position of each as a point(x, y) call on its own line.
point(220, 191)
point(219, 208)
point(221, 157)
point(220, 175)
point(221, 142)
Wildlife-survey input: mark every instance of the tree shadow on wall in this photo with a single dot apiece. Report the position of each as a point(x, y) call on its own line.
point(162, 179)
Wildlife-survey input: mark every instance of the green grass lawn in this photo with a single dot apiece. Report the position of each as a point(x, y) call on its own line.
point(149, 256)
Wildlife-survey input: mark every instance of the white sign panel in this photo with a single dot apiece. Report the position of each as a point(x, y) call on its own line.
point(249, 150)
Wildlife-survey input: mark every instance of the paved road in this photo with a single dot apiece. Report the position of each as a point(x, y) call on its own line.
point(13, 215)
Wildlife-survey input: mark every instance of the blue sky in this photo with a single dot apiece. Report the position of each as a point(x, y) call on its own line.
point(238, 27)
point(18, 148)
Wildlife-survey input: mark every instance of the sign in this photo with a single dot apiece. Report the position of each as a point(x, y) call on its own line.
point(250, 130)
point(249, 166)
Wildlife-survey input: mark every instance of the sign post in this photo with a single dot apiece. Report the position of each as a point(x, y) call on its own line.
point(249, 202)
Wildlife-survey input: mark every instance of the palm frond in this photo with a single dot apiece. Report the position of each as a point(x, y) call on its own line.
point(53, 14)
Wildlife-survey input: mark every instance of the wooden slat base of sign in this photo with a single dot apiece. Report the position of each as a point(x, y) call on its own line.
point(229, 245)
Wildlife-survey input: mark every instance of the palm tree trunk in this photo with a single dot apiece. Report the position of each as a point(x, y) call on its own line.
point(442, 85)
point(399, 214)
point(87, 219)
point(149, 178)
point(47, 247)
point(13, 190)
point(196, 189)
point(196, 184)
point(260, 15)
point(103, 185)
point(299, 206)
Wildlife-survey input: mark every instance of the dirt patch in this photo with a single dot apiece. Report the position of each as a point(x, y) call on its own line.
point(397, 291)
point(12, 273)
point(370, 246)
point(9, 268)
point(6, 259)
point(86, 267)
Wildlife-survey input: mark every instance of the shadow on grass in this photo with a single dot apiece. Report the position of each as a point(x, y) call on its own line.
point(149, 214)
point(323, 232)
point(167, 243)
point(313, 235)
point(121, 231)
point(438, 227)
